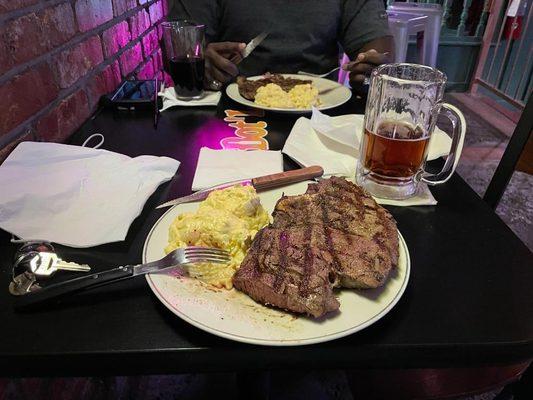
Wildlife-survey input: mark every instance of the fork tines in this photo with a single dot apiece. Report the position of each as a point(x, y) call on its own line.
point(206, 254)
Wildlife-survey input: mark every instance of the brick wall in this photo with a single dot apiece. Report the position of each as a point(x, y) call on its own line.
point(58, 57)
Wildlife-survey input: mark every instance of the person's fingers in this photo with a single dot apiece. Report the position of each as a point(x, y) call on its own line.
point(242, 47)
point(227, 47)
point(218, 61)
point(233, 53)
point(236, 58)
point(212, 73)
point(361, 68)
point(231, 50)
point(372, 57)
point(226, 66)
point(219, 75)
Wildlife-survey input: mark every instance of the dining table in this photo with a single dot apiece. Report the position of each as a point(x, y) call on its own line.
point(468, 301)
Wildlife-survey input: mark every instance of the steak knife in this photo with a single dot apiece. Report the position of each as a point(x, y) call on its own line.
point(259, 183)
point(252, 44)
point(256, 41)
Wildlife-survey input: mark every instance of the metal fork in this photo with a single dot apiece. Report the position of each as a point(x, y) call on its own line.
point(178, 257)
point(366, 82)
point(320, 75)
point(193, 254)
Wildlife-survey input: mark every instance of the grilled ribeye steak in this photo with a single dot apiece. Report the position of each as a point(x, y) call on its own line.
point(334, 235)
point(248, 88)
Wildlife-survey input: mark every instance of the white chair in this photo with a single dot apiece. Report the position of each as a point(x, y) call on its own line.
point(401, 26)
point(407, 19)
point(433, 13)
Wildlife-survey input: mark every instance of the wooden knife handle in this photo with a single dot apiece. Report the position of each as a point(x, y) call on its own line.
point(285, 178)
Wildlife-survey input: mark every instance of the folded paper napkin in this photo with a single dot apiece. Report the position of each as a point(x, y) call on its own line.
point(220, 166)
point(333, 143)
point(209, 98)
point(76, 196)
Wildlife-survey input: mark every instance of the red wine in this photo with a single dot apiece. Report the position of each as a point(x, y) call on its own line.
point(188, 76)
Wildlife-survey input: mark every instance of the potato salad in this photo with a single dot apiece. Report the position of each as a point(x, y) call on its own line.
point(228, 219)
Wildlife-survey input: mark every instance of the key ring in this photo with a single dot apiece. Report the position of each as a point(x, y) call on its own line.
point(26, 253)
point(24, 281)
point(18, 267)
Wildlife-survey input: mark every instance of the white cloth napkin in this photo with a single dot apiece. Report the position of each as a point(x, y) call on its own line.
point(76, 196)
point(333, 143)
point(209, 98)
point(221, 166)
point(307, 147)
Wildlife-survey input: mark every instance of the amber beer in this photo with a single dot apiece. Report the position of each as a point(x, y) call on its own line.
point(404, 101)
point(395, 150)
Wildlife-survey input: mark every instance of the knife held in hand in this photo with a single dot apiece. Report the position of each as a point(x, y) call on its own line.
point(259, 183)
point(256, 41)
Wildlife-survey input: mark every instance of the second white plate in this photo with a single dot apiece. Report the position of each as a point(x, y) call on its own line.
point(334, 94)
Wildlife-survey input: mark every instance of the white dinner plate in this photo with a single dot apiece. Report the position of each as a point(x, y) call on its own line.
point(233, 315)
point(330, 93)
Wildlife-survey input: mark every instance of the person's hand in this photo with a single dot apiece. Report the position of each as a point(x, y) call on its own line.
point(221, 62)
point(362, 66)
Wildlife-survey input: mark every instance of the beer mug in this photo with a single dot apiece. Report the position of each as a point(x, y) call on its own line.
point(404, 101)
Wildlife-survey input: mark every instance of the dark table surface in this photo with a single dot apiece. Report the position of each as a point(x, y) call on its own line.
point(468, 301)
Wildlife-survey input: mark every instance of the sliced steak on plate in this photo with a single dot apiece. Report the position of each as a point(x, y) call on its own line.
point(248, 88)
point(287, 83)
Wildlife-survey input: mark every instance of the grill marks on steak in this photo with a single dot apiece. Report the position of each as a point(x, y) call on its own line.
point(334, 235)
point(289, 270)
point(346, 208)
point(248, 88)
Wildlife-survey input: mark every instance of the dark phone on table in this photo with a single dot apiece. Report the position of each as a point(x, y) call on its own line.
point(134, 95)
point(135, 91)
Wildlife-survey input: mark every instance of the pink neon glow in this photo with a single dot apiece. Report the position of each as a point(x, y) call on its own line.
point(217, 134)
point(212, 132)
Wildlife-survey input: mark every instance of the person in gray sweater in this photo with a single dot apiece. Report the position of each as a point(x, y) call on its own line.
point(304, 35)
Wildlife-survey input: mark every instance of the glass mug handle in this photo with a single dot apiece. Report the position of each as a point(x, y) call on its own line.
point(457, 119)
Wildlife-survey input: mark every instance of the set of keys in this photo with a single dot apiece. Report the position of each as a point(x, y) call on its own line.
point(38, 260)
point(45, 264)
